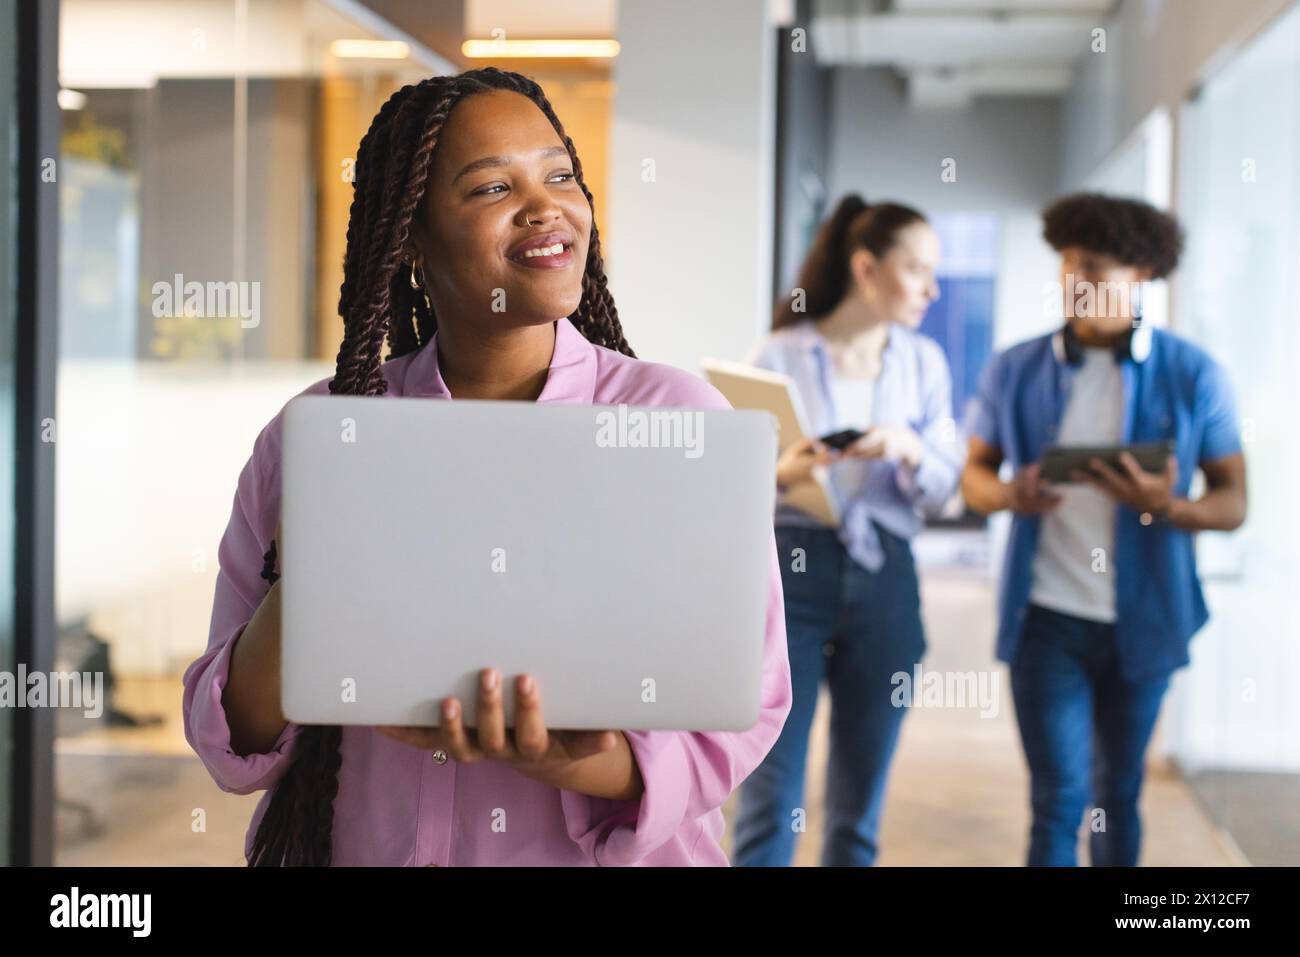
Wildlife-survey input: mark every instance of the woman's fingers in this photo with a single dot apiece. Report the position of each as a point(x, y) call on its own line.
point(531, 737)
point(806, 445)
point(531, 741)
point(825, 455)
point(870, 446)
point(456, 741)
point(491, 716)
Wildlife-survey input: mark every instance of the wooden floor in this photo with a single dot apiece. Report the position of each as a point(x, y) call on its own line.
point(957, 794)
point(959, 790)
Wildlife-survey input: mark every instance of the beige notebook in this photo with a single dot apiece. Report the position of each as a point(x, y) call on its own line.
point(747, 387)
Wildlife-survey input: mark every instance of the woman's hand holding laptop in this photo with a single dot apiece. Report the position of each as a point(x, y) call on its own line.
point(550, 756)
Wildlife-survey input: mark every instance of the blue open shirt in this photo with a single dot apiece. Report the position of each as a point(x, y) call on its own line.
point(1176, 391)
point(914, 389)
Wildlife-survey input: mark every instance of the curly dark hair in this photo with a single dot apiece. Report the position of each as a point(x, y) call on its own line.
point(1134, 232)
point(377, 304)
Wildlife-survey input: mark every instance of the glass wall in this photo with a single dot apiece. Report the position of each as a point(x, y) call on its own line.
point(1237, 708)
point(961, 320)
point(209, 142)
point(203, 143)
point(8, 337)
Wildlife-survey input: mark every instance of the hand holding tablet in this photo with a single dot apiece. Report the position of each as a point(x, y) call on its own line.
point(1142, 477)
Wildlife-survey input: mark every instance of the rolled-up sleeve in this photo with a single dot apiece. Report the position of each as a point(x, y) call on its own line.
point(239, 590)
point(687, 774)
point(1216, 407)
point(935, 480)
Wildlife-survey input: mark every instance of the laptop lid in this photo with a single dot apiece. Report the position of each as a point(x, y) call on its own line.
point(620, 555)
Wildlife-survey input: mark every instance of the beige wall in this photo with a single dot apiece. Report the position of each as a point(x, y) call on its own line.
point(346, 106)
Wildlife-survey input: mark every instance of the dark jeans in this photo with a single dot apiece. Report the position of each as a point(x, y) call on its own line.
point(855, 629)
point(1085, 731)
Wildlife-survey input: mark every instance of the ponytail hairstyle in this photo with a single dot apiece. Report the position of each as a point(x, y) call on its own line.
point(825, 278)
point(378, 305)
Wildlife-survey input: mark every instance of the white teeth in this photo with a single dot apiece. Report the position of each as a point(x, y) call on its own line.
point(545, 251)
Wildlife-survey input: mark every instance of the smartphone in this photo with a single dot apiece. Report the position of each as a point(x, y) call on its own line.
point(841, 440)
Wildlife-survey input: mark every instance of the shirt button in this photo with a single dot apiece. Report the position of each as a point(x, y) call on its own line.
point(440, 756)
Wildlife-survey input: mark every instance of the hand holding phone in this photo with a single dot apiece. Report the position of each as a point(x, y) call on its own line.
point(798, 459)
point(839, 441)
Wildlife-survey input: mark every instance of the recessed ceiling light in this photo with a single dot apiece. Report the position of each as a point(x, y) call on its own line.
point(370, 49)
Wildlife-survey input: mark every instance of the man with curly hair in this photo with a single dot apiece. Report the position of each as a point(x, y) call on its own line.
point(1099, 596)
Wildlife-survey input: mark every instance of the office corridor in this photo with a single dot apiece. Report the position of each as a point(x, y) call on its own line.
point(957, 795)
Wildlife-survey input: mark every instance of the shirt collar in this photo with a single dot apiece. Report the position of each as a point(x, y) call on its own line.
point(812, 340)
point(809, 338)
point(571, 379)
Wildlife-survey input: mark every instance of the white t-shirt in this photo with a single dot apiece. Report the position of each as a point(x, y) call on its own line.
point(1073, 570)
point(853, 399)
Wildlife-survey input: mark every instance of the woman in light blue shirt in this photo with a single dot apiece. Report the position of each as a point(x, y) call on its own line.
point(846, 336)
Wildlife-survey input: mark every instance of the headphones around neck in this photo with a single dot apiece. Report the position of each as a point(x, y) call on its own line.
point(1134, 346)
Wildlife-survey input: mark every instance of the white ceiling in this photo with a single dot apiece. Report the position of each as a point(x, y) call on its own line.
point(950, 51)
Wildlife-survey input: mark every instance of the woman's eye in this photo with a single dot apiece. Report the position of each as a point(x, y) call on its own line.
point(563, 176)
point(488, 190)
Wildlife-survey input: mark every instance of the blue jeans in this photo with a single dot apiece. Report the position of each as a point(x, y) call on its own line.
point(1085, 731)
point(856, 629)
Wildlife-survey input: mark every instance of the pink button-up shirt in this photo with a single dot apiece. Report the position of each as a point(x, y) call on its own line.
point(396, 805)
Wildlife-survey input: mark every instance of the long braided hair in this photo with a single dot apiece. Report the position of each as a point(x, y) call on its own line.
point(377, 304)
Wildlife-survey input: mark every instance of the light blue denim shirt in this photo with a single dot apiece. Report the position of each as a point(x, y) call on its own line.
point(914, 389)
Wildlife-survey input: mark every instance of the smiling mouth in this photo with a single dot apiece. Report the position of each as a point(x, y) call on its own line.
point(542, 252)
point(558, 255)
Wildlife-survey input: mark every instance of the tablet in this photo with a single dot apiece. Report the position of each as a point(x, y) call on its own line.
point(1060, 461)
point(620, 555)
point(748, 387)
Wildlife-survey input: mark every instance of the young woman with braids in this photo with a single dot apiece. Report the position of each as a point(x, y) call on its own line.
point(852, 604)
point(468, 196)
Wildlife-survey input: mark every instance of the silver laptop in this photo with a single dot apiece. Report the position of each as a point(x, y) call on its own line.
point(619, 555)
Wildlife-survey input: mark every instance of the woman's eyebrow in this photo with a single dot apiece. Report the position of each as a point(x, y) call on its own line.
point(491, 161)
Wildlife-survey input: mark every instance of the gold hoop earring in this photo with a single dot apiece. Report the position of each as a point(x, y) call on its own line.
point(415, 316)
